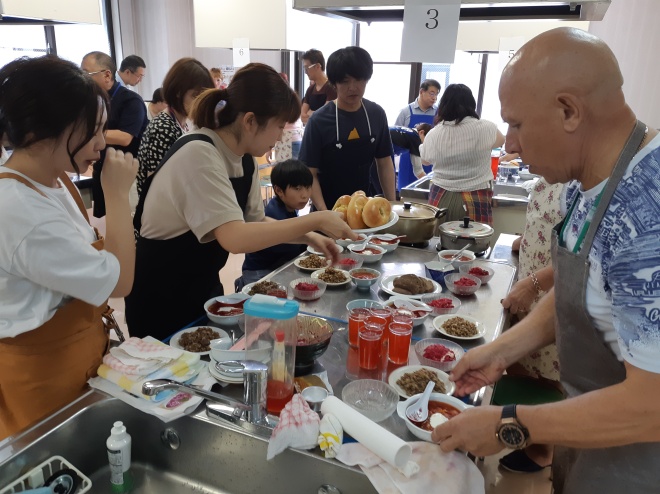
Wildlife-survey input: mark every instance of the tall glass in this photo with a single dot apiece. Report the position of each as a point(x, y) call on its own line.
point(356, 318)
point(400, 336)
point(370, 345)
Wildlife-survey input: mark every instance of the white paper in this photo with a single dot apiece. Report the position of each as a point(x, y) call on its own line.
point(241, 51)
point(378, 440)
point(430, 28)
point(508, 48)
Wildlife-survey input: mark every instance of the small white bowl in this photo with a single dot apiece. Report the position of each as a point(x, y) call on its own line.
point(226, 320)
point(442, 398)
point(389, 247)
point(451, 279)
point(457, 263)
point(364, 283)
point(371, 257)
point(438, 311)
point(417, 320)
point(312, 250)
point(483, 278)
point(308, 295)
point(345, 242)
point(348, 261)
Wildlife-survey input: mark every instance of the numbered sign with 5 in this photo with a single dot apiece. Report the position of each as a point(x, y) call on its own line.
point(430, 28)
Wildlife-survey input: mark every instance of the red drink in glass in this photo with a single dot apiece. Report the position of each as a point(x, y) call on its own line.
point(370, 346)
point(400, 335)
point(356, 318)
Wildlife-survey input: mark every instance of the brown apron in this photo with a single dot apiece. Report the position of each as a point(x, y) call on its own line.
point(46, 368)
point(587, 363)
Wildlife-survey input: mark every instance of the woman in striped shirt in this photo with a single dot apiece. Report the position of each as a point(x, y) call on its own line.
point(459, 147)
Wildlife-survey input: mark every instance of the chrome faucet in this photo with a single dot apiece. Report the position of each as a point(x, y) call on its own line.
point(250, 414)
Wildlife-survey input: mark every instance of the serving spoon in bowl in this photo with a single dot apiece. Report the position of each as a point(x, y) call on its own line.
point(419, 411)
point(404, 304)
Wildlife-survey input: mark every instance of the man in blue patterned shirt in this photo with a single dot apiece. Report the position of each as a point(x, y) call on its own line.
point(562, 97)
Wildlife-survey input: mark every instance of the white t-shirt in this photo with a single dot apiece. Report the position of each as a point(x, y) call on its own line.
point(193, 192)
point(461, 154)
point(46, 256)
point(623, 290)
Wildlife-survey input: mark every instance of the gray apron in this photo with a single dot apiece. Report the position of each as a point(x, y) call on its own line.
point(588, 363)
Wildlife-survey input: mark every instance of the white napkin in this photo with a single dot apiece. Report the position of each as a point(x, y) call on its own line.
point(449, 473)
point(140, 356)
point(298, 428)
point(331, 435)
point(176, 406)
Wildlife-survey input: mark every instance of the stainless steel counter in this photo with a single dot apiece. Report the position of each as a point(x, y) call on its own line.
point(341, 361)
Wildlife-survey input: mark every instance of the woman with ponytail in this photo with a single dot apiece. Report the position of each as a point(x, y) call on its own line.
point(204, 201)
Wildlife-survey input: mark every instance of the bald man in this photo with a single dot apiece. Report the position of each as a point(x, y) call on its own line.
point(562, 98)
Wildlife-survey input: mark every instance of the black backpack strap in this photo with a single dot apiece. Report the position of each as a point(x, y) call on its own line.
point(178, 144)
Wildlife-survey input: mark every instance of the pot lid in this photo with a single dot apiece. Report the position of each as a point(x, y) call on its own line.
point(466, 228)
point(413, 210)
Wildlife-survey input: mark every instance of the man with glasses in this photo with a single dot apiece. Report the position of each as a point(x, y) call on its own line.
point(131, 71)
point(422, 110)
point(320, 91)
point(126, 121)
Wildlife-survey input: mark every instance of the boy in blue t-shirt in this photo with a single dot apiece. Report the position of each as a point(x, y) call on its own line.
point(292, 184)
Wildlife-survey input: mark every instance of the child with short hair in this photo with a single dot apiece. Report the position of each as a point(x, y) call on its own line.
point(292, 184)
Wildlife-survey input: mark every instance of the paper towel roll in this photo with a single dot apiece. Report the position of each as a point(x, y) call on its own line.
point(380, 441)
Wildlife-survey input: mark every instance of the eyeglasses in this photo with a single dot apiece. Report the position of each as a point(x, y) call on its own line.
point(309, 66)
point(432, 94)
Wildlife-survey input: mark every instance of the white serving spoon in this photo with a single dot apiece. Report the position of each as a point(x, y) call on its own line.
point(458, 254)
point(404, 304)
point(361, 245)
point(419, 411)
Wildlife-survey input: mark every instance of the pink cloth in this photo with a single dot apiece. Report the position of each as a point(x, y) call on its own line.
point(449, 473)
point(298, 428)
point(140, 357)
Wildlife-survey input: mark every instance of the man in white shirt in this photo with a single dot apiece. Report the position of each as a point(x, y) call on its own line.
point(131, 71)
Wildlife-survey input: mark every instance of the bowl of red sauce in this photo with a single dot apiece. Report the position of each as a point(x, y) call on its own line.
point(445, 406)
point(419, 316)
point(348, 261)
point(308, 289)
point(226, 310)
point(368, 254)
point(462, 283)
point(466, 258)
point(386, 241)
point(439, 353)
point(480, 270)
point(442, 303)
point(364, 278)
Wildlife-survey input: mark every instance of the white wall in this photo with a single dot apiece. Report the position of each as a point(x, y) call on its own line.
point(630, 28)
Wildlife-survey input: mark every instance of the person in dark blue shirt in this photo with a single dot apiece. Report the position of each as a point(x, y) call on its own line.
point(292, 184)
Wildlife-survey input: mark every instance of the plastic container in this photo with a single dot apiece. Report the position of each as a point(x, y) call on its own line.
point(36, 477)
point(447, 366)
point(308, 295)
point(483, 278)
point(451, 279)
point(272, 321)
point(119, 457)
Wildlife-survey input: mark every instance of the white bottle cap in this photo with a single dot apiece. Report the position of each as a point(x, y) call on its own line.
point(118, 429)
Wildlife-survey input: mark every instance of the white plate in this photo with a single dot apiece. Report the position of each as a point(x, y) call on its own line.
point(220, 376)
point(296, 263)
point(396, 374)
point(525, 175)
point(174, 340)
point(440, 320)
point(316, 274)
point(311, 250)
point(393, 219)
point(387, 285)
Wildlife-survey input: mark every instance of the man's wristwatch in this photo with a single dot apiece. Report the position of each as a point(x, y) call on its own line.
point(511, 432)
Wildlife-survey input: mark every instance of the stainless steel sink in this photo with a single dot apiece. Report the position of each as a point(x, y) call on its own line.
point(190, 454)
point(419, 191)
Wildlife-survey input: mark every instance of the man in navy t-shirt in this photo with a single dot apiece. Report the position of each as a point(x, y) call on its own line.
point(292, 184)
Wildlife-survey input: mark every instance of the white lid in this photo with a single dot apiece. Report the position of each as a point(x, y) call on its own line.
point(118, 429)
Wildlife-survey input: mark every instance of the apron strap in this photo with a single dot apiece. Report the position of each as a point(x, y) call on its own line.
point(182, 141)
point(24, 181)
point(629, 151)
point(73, 190)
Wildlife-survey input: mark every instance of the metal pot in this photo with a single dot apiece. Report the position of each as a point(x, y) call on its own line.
point(418, 222)
point(456, 234)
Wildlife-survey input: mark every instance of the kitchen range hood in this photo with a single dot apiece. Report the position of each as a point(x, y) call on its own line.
point(471, 10)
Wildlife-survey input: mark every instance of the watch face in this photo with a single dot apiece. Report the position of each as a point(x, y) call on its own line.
point(511, 435)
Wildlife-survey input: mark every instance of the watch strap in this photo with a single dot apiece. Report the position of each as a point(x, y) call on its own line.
point(509, 412)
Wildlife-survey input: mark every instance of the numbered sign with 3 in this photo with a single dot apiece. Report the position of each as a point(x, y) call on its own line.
point(430, 28)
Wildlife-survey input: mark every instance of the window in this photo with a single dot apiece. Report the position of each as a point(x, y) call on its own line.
point(68, 36)
point(21, 41)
